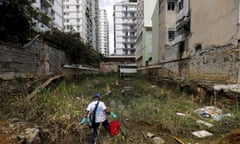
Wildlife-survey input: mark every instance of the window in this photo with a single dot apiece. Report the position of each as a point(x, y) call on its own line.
point(171, 35)
point(171, 6)
point(180, 5)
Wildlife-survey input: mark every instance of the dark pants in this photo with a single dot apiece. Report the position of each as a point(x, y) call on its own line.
point(105, 124)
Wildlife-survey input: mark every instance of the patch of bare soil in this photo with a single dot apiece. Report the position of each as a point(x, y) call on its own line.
point(6, 136)
point(232, 138)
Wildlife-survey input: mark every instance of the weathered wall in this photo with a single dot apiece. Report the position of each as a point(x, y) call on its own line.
point(34, 60)
point(167, 20)
point(214, 22)
point(220, 65)
point(106, 67)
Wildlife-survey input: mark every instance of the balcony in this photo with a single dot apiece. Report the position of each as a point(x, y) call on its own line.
point(183, 12)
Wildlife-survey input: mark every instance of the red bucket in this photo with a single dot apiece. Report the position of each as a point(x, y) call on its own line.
point(114, 127)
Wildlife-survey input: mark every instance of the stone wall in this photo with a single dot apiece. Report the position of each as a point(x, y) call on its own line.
point(35, 60)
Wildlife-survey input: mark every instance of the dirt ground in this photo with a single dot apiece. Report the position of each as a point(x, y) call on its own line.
point(9, 133)
point(233, 137)
point(6, 133)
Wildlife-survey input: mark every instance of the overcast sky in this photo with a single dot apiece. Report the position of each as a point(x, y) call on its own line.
point(108, 5)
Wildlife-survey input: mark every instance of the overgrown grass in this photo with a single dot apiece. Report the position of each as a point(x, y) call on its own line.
point(141, 107)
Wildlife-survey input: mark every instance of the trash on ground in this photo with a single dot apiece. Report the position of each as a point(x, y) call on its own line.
point(228, 87)
point(202, 133)
point(205, 123)
point(153, 86)
point(150, 135)
point(158, 140)
point(181, 114)
point(178, 140)
point(209, 112)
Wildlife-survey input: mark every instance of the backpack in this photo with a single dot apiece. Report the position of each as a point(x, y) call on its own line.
point(92, 117)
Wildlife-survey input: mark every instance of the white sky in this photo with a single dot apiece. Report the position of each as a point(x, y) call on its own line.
point(108, 5)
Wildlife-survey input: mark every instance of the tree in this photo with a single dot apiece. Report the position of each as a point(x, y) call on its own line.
point(16, 20)
point(72, 44)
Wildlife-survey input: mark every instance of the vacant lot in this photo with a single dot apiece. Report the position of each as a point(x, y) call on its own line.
point(142, 107)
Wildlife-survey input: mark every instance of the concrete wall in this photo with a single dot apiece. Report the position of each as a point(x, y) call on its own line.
point(36, 60)
point(214, 22)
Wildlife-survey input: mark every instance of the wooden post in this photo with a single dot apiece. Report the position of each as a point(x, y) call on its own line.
point(116, 83)
point(107, 88)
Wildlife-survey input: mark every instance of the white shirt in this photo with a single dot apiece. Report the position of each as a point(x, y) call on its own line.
point(100, 113)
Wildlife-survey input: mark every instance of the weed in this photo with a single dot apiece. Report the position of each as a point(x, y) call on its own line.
point(141, 107)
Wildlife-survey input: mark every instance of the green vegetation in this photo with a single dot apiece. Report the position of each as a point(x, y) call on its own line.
point(140, 106)
point(16, 26)
point(16, 20)
point(73, 45)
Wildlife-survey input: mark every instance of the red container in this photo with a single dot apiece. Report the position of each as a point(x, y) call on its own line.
point(114, 127)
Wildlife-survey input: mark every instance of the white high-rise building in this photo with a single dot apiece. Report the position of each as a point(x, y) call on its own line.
point(125, 27)
point(103, 33)
point(57, 12)
point(54, 15)
point(80, 16)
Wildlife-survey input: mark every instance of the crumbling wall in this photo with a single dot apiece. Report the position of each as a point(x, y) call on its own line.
point(35, 60)
point(219, 64)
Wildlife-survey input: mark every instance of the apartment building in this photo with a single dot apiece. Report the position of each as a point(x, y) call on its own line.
point(103, 33)
point(139, 34)
point(57, 12)
point(80, 16)
point(144, 32)
point(167, 29)
point(200, 39)
point(125, 27)
point(54, 13)
point(208, 24)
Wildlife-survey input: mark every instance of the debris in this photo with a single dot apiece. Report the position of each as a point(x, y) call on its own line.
point(127, 88)
point(157, 140)
point(228, 87)
point(181, 114)
point(210, 112)
point(205, 123)
point(150, 135)
point(45, 84)
point(178, 140)
point(202, 133)
point(153, 86)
